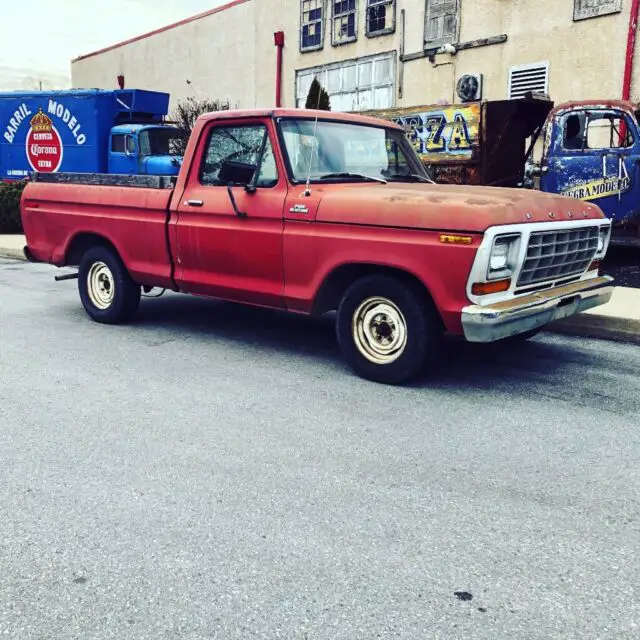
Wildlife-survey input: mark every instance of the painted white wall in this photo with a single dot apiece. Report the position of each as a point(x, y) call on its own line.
point(231, 54)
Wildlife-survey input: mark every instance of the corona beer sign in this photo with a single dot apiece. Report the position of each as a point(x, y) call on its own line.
point(44, 145)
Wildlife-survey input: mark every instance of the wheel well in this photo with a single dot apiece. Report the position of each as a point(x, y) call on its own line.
point(340, 279)
point(81, 243)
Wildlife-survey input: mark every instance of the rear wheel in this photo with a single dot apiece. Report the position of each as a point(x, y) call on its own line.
point(387, 329)
point(107, 292)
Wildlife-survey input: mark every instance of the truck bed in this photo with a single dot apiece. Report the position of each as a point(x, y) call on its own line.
point(70, 210)
point(106, 180)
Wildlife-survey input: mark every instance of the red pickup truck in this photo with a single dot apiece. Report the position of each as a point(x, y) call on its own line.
point(315, 212)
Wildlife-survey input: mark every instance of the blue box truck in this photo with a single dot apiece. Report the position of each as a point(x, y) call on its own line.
point(86, 131)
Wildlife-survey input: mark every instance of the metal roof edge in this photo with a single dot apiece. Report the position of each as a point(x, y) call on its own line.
point(168, 27)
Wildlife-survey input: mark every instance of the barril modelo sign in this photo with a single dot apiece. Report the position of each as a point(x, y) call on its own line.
point(44, 147)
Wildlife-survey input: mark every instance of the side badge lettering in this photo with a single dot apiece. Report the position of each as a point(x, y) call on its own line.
point(298, 208)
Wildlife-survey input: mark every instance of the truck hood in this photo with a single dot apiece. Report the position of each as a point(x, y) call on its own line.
point(445, 207)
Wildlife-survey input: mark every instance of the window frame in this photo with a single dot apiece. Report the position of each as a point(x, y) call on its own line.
point(605, 9)
point(320, 45)
point(320, 70)
point(260, 159)
point(345, 14)
point(372, 4)
point(438, 42)
point(609, 115)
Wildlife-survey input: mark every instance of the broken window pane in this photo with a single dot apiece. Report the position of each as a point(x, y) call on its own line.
point(604, 132)
point(311, 31)
point(344, 21)
point(380, 17)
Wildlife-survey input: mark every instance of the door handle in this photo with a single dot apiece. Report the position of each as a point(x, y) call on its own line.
point(194, 203)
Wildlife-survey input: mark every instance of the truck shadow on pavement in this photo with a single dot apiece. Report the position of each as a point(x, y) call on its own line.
point(542, 366)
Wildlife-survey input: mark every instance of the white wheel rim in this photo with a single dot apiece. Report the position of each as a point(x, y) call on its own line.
point(379, 330)
point(100, 285)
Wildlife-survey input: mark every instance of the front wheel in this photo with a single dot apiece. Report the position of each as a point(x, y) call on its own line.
point(387, 330)
point(107, 292)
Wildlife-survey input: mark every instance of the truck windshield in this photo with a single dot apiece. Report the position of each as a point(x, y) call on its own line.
point(159, 142)
point(349, 152)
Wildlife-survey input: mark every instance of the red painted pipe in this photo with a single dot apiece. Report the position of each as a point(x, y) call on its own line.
point(278, 39)
point(631, 45)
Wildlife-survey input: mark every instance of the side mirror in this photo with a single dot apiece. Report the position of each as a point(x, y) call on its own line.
point(239, 173)
point(129, 141)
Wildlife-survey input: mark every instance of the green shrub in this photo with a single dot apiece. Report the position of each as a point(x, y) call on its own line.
point(10, 220)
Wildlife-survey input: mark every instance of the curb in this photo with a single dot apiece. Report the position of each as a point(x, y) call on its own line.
point(12, 254)
point(590, 325)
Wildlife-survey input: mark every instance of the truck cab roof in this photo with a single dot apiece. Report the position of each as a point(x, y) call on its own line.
point(137, 128)
point(297, 113)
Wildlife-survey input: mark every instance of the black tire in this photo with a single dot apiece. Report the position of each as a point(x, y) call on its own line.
point(422, 329)
point(121, 294)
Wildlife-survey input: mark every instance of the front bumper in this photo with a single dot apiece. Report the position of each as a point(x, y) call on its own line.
point(519, 315)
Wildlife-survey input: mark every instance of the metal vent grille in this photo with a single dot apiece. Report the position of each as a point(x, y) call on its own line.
point(530, 77)
point(552, 255)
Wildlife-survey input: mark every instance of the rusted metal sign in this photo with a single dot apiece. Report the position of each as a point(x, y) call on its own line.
point(440, 134)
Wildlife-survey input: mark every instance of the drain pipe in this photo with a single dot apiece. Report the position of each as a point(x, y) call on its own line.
point(278, 40)
point(631, 45)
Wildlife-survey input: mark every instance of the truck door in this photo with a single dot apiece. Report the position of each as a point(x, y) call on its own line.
point(123, 156)
point(593, 155)
point(229, 229)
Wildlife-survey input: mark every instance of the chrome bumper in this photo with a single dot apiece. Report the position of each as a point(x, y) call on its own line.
point(510, 318)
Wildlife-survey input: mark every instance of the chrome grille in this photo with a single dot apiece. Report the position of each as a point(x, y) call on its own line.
point(558, 254)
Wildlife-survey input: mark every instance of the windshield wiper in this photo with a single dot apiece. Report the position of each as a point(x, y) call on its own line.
point(346, 174)
point(412, 176)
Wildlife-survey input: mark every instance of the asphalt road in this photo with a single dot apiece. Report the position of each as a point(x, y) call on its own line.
point(215, 471)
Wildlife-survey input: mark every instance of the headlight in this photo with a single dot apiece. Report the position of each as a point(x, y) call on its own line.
point(602, 240)
point(503, 257)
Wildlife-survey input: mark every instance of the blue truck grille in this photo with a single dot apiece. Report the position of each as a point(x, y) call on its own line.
point(553, 255)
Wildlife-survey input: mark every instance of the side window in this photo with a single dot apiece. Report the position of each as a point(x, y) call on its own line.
point(233, 155)
point(117, 143)
point(573, 132)
point(608, 132)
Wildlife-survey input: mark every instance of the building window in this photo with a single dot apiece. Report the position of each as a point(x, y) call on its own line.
point(311, 25)
point(381, 17)
point(344, 21)
point(441, 22)
point(528, 77)
point(352, 85)
point(583, 9)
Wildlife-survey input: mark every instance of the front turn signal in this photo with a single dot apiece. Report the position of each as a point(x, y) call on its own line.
point(595, 265)
point(485, 288)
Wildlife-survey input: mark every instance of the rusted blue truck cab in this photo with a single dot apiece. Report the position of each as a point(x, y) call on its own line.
point(592, 152)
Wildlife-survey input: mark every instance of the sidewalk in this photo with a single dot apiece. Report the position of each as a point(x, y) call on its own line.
point(12, 246)
point(619, 320)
